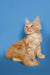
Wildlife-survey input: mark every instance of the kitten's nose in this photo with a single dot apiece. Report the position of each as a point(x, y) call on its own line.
point(28, 29)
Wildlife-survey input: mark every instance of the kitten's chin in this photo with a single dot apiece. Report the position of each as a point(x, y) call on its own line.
point(28, 32)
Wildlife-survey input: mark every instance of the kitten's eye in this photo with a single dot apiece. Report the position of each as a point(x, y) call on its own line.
point(27, 26)
point(31, 25)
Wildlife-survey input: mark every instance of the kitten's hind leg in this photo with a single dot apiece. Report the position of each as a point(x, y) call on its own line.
point(30, 62)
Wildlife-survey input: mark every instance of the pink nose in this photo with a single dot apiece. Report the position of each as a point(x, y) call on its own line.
point(28, 29)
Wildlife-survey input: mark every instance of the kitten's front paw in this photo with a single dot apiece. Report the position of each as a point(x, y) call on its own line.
point(36, 62)
point(41, 56)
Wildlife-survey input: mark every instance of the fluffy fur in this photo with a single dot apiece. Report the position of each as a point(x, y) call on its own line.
point(27, 49)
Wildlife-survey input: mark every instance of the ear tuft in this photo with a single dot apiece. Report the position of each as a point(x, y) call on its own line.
point(26, 20)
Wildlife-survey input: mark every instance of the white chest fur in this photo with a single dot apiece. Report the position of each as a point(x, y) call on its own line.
point(34, 40)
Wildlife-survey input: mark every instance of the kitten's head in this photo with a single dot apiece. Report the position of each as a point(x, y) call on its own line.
point(31, 27)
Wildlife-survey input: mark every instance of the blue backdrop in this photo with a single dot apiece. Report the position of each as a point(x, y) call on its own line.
point(12, 22)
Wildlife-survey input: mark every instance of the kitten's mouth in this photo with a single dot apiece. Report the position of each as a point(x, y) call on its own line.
point(29, 30)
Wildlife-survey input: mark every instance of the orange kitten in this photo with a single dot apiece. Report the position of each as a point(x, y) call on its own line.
point(27, 49)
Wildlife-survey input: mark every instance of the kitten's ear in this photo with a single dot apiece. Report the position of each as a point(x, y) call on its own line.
point(37, 20)
point(26, 20)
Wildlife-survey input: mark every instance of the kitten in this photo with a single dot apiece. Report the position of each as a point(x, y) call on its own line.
point(30, 47)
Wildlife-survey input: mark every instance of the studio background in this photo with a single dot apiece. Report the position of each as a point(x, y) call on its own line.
point(12, 23)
